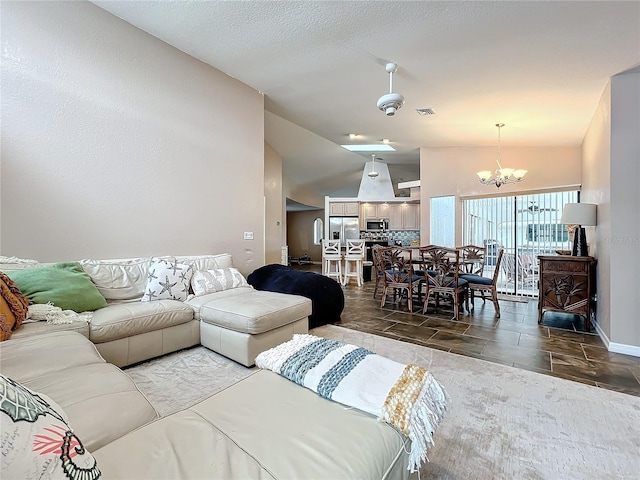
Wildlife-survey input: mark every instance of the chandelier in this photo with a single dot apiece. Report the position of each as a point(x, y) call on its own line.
point(501, 175)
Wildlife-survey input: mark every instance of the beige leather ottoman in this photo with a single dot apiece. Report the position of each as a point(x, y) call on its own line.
point(243, 324)
point(263, 427)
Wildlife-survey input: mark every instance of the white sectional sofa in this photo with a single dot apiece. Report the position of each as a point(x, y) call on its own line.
point(238, 322)
point(263, 427)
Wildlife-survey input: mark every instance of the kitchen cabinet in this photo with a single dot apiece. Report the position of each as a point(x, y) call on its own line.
point(404, 216)
point(344, 209)
point(375, 211)
point(411, 216)
point(395, 216)
point(566, 285)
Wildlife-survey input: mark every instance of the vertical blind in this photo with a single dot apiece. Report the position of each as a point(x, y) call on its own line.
point(525, 226)
point(443, 220)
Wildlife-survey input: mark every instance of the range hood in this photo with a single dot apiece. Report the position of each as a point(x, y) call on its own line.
point(377, 188)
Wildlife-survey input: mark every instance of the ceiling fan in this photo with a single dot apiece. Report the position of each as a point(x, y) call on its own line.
point(391, 102)
point(534, 208)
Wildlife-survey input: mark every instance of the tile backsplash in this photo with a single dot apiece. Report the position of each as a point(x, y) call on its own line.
point(405, 236)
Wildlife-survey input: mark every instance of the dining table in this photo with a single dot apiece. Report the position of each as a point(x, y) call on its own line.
point(466, 265)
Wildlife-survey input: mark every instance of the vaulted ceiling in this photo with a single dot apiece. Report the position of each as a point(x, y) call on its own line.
point(539, 67)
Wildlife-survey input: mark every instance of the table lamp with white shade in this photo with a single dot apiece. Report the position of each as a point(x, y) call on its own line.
point(580, 214)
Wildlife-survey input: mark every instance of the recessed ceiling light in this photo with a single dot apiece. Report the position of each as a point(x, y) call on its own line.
point(385, 141)
point(369, 148)
point(425, 111)
point(353, 136)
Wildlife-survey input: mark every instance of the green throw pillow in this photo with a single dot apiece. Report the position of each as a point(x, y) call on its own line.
point(66, 285)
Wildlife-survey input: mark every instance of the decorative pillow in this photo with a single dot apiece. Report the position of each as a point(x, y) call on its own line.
point(167, 281)
point(37, 441)
point(209, 281)
point(66, 285)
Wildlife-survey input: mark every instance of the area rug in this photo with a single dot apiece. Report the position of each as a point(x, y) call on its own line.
point(504, 423)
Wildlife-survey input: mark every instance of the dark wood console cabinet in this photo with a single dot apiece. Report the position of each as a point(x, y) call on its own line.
point(567, 284)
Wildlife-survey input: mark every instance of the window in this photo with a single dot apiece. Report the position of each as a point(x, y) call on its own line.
point(318, 230)
point(443, 221)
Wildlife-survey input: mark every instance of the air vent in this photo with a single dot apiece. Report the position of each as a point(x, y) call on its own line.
point(425, 111)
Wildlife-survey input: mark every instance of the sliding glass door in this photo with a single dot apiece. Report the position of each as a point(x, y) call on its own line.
point(525, 226)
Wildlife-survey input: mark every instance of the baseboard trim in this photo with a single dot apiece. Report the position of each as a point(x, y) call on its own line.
point(614, 347)
point(624, 349)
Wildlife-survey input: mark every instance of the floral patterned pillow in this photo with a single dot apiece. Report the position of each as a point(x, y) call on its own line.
point(36, 439)
point(167, 280)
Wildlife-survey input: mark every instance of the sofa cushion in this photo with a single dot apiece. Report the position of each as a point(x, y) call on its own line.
point(287, 432)
point(309, 436)
point(66, 285)
point(94, 398)
point(254, 311)
point(167, 281)
point(217, 280)
point(205, 262)
point(118, 279)
point(196, 302)
point(127, 319)
point(126, 279)
point(30, 328)
point(37, 441)
point(182, 445)
point(35, 356)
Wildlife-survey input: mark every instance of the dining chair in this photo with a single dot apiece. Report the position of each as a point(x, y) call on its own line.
point(485, 286)
point(441, 277)
point(472, 259)
point(353, 259)
point(398, 276)
point(332, 259)
point(377, 267)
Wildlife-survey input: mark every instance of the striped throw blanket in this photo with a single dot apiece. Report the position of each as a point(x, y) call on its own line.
point(405, 396)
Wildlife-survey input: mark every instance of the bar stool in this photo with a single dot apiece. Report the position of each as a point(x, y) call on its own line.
point(354, 257)
point(332, 257)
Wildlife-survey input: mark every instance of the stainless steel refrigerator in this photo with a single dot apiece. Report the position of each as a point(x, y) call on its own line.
point(344, 228)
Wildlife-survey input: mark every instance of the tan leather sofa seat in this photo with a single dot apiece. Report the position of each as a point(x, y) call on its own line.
point(100, 400)
point(127, 319)
point(262, 427)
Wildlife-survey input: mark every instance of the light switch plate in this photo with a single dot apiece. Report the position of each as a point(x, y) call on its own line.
point(248, 235)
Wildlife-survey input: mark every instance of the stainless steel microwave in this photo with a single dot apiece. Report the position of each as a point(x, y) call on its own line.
point(378, 225)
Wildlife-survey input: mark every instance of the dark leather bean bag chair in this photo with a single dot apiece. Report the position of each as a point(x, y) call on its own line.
point(327, 297)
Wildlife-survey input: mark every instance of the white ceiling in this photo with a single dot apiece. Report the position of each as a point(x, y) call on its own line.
point(539, 67)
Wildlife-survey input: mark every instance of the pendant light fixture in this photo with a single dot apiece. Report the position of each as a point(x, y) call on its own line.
point(501, 175)
point(373, 174)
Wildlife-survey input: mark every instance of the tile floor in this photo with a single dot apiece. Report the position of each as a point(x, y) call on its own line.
point(558, 348)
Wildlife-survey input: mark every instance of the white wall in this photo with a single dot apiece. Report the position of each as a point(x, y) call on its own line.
point(596, 188)
point(611, 164)
point(115, 144)
point(452, 171)
point(625, 211)
point(274, 224)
